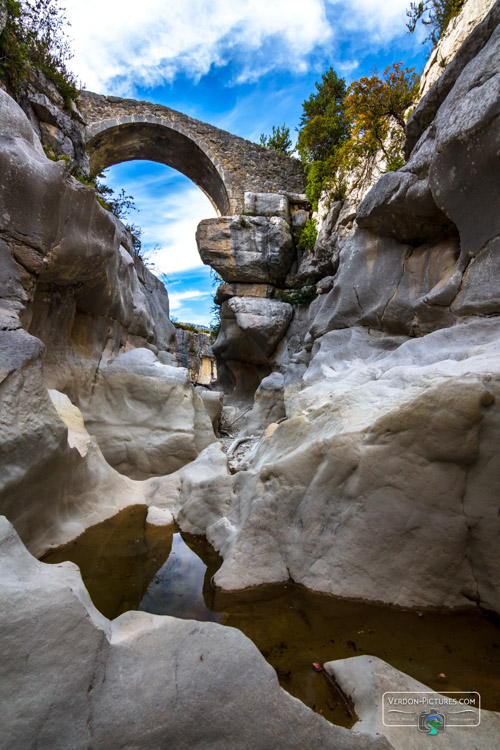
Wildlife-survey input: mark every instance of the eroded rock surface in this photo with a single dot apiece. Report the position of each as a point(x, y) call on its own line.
point(366, 678)
point(384, 448)
point(141, 680)
point(459, 28)
point(374, 471)
point(70, 278)
point(247, 249)
point(148, 419)
point(251, 329)
point(54, 480)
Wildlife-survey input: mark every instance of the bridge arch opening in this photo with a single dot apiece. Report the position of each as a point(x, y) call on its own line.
point(115, 143)
point(168, 209)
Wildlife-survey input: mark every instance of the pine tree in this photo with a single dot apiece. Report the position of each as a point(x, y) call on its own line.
point(279, 140)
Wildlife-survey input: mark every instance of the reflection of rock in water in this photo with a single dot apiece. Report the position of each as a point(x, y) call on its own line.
point(177, 587)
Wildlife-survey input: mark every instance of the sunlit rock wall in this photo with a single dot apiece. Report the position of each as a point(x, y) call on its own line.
point(457, 32)
point(381, 482)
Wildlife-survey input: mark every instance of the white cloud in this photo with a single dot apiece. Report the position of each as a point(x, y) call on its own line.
point(383, 20)
point(170, 209)
point(177, 298)
point(122, 43)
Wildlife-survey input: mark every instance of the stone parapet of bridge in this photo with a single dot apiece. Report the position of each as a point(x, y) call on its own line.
point(224, 166)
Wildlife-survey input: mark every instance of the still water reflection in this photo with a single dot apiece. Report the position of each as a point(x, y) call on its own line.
point(177, 587)
point(128, 564)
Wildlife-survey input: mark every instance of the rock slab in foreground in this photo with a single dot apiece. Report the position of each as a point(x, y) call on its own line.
point(366, 678)
point(70, 678)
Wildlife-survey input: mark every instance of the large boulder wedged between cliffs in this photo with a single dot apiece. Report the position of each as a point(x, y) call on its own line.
point(147, 417)
point(138, 681)
point(251, 329)
point(247, 249)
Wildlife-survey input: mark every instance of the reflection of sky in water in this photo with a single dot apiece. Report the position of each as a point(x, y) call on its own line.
point(291, 626)
point(177, 587)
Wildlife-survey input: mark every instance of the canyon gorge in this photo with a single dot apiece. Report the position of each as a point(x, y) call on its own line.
point(349, 445)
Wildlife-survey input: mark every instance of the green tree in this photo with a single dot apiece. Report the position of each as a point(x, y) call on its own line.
point(279, 140)
point(34, 38)
point(324, 127)
point(376, 108)
point(435, 14)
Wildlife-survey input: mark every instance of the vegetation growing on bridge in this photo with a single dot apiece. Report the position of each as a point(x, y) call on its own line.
point(279, 140)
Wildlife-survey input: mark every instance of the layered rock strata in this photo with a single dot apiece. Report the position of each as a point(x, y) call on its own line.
point(255, 254)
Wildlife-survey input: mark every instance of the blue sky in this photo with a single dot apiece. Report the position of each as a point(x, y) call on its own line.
point(242, 65)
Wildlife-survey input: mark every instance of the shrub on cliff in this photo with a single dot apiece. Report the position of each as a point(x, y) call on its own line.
point(300, 297)
point(435, 14)
point(306, 238)
point(34, 40)
point(376, 108)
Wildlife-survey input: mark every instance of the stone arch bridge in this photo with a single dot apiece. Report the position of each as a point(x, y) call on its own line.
point(224, 166)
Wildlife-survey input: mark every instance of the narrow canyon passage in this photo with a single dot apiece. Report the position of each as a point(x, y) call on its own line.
point(245, 538)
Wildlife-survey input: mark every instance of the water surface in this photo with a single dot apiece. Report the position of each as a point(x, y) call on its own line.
point(128, 564)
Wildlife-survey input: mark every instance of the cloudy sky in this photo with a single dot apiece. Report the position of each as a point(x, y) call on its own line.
point(242, 65)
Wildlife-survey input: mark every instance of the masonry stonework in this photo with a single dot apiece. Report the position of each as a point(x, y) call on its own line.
point(224, 166)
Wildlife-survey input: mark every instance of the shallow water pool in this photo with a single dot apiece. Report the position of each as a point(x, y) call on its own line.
point(129, 564)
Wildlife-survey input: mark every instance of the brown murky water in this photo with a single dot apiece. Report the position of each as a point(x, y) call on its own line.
point(128, 564)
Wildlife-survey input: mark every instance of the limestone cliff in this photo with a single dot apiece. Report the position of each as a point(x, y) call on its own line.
point(390, 379)
point(459, 28)
point(81, 315)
